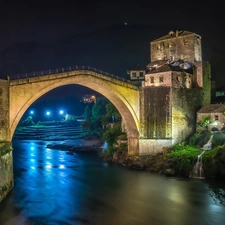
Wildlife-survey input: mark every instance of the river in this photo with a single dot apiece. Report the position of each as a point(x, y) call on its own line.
point(54, 188)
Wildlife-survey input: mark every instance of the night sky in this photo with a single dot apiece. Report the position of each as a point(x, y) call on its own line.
point(108, 35)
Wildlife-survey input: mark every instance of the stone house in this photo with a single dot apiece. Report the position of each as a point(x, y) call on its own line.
point(215, 114)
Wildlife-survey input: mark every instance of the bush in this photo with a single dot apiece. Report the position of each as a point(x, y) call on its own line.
point(218, 139)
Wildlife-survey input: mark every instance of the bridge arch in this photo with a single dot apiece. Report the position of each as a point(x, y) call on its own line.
point(124, 96)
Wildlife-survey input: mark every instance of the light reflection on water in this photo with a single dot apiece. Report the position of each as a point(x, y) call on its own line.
point(53, 188)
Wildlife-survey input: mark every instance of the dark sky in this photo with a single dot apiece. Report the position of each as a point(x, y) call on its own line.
point(51, 21)
point(43, 20)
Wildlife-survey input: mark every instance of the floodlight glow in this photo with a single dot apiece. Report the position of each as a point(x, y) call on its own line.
point(48, 113)
point(61, 112)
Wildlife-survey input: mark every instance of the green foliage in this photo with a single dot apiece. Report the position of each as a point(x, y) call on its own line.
point(199, 138)
point(110, 135)
point(112, 112)
point(87, 127)
point(184, 156)
point(205, 121)
point(213, 161)
point(99, 108)
point(110, 150)
point(218, 139)
point(101, 113)
point(87, 113)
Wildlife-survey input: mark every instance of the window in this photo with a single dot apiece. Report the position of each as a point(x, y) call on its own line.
point(216, 117)
point(134, 74)
point(169, 45)
point(178, 78)
point(185, 42)
point(161, 80)
point(152, 80)
point(172, 58)
point(141, 74)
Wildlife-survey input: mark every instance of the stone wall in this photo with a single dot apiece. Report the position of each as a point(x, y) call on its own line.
point(155, 113)
point(153, 146)
point(6, 169)
point(168, 116)
point(4, 110)
point(186, 102)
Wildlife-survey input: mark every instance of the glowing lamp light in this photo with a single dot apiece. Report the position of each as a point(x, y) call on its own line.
point(61, 112)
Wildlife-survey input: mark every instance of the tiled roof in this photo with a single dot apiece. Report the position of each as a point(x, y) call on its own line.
point(212, 108)
point(172, 34)
point(163, 68)
point(165, 65)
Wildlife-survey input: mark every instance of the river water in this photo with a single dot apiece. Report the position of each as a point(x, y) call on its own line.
point(54, 188)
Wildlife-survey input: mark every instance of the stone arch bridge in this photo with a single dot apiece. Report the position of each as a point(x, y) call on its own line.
point(18, 93)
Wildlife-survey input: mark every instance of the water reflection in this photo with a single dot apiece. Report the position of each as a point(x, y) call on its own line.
point(53, 188)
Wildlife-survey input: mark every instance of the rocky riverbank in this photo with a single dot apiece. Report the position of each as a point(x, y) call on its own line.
point(84, 145)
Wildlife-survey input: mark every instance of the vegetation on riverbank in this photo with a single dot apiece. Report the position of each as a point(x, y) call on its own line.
point(179, 160)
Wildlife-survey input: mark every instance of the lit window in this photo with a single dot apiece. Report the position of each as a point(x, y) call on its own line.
point(185, 42)
point(134, 74)
point(161, 80)
point(152, 80)
point(170, 45)
point(158, 47)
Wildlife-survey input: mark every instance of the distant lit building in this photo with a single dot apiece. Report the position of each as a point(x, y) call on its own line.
point(89, 99)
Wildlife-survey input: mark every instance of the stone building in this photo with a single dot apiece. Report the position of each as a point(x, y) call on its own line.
point(215, 116)
point(177, 83)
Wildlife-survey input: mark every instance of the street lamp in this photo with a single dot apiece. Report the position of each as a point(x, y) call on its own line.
point(48, 113)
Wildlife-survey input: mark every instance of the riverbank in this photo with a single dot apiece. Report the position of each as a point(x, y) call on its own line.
point(159, 163)
point(84, 145)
